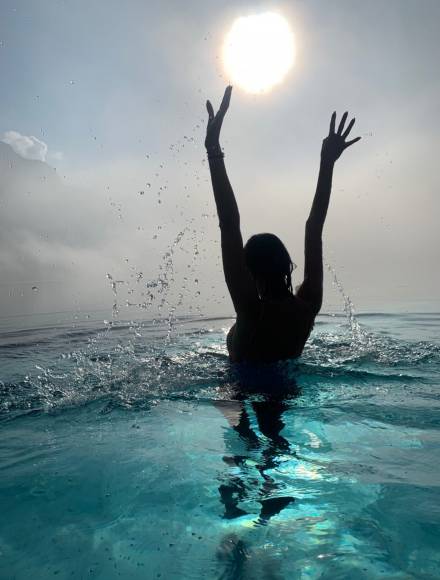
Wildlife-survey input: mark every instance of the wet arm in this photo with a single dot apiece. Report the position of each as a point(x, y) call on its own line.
point(332, 148)
point(311, 288)
point(227, 209)
point(318, 212)
point(239, 282)
point(238, 279)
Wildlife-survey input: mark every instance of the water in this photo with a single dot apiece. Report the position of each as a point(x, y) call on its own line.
point(135, 450)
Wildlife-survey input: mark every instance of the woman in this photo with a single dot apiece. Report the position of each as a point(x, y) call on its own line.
point(273, 323)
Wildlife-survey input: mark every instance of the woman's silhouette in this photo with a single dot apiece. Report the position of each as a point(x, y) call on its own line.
point(273, 323)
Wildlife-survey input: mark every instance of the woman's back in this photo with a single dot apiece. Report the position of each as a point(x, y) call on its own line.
point(275, 329)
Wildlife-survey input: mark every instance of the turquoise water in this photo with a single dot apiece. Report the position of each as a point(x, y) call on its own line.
point(127, 451)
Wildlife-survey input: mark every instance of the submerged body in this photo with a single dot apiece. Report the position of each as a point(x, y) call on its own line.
point(277, 329)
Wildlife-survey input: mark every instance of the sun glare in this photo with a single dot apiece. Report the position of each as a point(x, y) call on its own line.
point(258, 51)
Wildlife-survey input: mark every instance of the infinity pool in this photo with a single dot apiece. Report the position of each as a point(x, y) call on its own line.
point(128, 452)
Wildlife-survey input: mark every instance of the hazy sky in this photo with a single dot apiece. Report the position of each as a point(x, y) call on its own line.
point(112, 96)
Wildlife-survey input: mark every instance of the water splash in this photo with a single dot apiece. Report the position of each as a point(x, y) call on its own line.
point(359, 336)
point(114, 284)
point(138, 363)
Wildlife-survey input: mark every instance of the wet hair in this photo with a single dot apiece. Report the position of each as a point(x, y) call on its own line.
point(268, 260)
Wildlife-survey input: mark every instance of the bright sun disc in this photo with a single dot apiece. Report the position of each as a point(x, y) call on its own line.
point(259, 51)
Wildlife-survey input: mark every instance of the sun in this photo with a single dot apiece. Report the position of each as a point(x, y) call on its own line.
point(258, 51)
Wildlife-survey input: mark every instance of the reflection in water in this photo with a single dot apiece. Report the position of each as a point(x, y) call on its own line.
point(232, 554)
point(263, 391)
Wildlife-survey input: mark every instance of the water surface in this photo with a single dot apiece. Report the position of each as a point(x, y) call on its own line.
point(127, 451)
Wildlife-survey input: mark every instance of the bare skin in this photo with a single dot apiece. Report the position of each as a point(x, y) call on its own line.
point(276, 325)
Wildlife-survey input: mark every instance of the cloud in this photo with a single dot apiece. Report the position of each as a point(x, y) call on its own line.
point(64, 234)
point(28, 147)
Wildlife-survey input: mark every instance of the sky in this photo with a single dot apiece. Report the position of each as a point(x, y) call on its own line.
point(104, 184)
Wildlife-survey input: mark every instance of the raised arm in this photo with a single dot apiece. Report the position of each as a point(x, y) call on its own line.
point(332, 148)
point(238, 279)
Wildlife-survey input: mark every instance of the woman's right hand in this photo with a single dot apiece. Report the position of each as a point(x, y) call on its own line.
point(212, 141)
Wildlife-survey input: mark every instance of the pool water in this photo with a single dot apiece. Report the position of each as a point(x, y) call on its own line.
point(130, 452)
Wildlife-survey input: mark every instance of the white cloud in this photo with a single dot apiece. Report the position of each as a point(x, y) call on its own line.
point(28, 147)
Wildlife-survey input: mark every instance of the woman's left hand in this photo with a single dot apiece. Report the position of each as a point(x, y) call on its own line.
point(335, 143)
